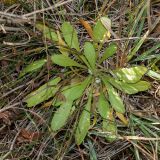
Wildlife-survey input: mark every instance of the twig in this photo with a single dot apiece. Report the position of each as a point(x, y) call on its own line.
point(131, 38)
point(25, 16)
point(46, 9)
point(15, 21)
point(4, 28)
point(11, 15)
point(140, 138)
point(17, 44)
point(13, 90)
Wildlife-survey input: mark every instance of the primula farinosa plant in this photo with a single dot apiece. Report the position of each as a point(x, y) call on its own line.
point(92, 88)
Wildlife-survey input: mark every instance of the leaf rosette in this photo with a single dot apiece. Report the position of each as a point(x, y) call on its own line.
point(88, 78)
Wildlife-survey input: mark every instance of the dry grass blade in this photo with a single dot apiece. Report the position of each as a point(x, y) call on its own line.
point(46, 9)
point(140, 138)
point(87, 27)
point(25, 132)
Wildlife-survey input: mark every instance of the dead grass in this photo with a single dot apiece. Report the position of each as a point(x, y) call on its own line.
point(25, 133)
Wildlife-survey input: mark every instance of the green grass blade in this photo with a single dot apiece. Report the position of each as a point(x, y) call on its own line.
point(137, 47)
point(146, 53)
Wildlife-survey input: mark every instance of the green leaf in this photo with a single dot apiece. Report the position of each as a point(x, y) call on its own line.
point(145, 54)
point(73, 92)
point(130, 88)
point(131, 75)
point(137, 47)
point(33, 67)
point(109, 51)
point(106, 113)
point(60, 117)
point(90, 54)
point(64, 61)
point(103, 106)
point(100, 33)
point(76, 91)
point(140, 14)
point(43, 93)
point(111, 129)
point(85, 61)
point(115, 100)
point(155, 56)
point(84, 122)
point(47, 32)
point(92, 152)
point(153, 74)
point(70, 35)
